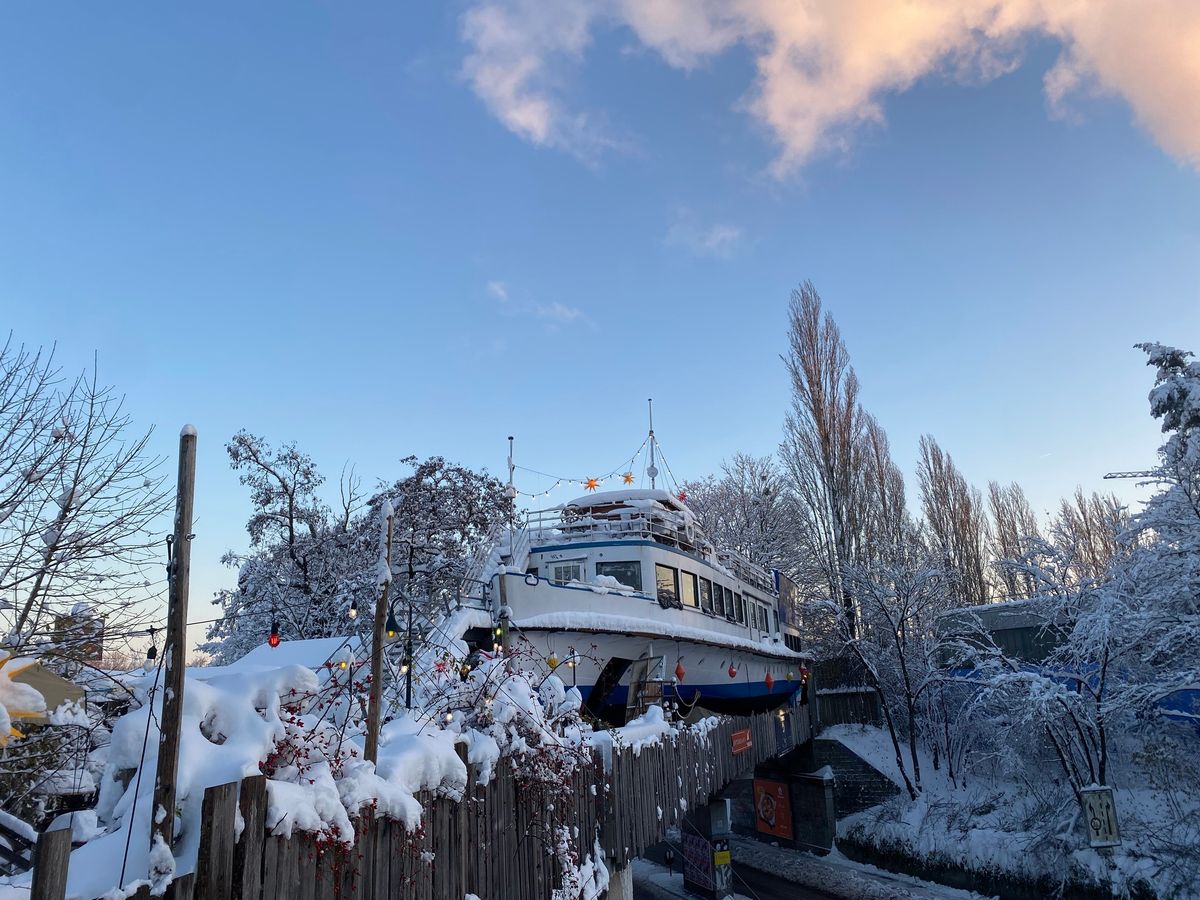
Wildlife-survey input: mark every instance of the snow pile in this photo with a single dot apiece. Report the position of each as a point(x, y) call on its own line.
point(645, 731)
point(1029, 830)
point(281, 722)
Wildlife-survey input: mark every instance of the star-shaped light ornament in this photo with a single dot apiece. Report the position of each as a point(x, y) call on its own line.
point(592, 483)
point(627, 478)
point(683, 496)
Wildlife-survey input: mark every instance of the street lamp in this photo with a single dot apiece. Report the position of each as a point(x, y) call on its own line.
point(391, 631)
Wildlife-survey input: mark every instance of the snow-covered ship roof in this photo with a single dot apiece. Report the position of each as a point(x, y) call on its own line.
point(628, 497)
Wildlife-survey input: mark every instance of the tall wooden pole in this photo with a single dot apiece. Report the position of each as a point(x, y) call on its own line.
point(162, 821)
point(371, 751)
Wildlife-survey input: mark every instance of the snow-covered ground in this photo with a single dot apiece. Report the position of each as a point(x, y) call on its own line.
point(833, 875)
point(1030, 830)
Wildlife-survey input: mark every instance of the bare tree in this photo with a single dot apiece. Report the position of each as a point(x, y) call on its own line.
point(822, 445)
point(1091, 526)
point(80, 508)
point(1013, 526)
point(955, 521)
point(888, 534)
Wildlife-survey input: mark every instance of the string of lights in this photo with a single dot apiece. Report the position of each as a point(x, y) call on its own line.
point(624, 469)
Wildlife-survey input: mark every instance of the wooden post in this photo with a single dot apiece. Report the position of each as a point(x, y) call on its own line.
point(371, 750)
point(51, 855)
point(162, 819)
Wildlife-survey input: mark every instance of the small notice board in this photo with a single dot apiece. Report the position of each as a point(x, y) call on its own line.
point(773, 808)
point(742, 741)
point(1100, 815)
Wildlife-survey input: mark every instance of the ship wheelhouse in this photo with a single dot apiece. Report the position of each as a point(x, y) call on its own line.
point(646, 544)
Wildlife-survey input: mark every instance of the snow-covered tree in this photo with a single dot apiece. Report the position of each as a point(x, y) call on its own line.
point(310, 562)
point(307, 562)
point(442, 510)
point(905, 651)
point(746, 508)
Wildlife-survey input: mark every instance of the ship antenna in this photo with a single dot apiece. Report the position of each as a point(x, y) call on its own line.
point(512, 488)
point(653, 470)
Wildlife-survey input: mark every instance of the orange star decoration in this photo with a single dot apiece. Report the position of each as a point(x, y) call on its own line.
point(627, 478)
point(592, 483)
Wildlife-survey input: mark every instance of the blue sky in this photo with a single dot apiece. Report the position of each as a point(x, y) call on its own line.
point(316, 224)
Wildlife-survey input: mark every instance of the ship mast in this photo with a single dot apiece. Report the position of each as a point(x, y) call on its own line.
point(653, 470)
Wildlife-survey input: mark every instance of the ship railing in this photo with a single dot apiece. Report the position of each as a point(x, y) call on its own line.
point(748, 571)
point(554, 525)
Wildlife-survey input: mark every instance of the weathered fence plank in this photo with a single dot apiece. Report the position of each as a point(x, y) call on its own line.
point(214, 860)
point(248, 852)
point(50, 856)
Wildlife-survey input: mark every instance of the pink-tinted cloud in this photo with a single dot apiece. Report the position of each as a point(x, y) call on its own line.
point(826, 67)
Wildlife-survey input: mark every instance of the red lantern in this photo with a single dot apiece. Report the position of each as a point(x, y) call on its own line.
point(273, 638)
point(804, 674)
point(770, 681)
point(680, 671)
point(732, 671)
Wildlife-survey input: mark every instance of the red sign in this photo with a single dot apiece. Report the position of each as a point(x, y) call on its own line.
point(742, 741)
point(773, 808)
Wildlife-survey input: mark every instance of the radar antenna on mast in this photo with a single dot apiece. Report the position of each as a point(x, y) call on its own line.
point(652, 471)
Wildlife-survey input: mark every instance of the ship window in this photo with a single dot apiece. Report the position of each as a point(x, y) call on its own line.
point(718, 599)
point(706, 599)
point(775, 617)
point(739, 608)
point(667, 581)
point(687, 585)
point(561, 573)
point(730, 609)
point(628, 573)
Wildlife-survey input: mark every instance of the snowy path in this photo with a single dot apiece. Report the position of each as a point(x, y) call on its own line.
point(769, 872)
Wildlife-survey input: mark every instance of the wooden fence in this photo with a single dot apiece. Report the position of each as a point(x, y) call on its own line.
point(497, 842)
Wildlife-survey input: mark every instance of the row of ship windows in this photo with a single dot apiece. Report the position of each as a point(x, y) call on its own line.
point(674, 588)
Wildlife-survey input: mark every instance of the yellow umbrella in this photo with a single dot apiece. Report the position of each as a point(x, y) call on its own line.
point(17, 700)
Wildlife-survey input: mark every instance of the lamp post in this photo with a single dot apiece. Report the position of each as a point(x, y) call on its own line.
point(391, 632)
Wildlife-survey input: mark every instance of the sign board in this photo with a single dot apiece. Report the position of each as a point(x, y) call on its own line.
point(773, 808)
point(722, 868)
point(697, 862)
point(783, 733)
point(1100, 814)
point(742, 741)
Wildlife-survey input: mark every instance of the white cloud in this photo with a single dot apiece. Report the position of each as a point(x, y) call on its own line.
point(560, 313)
point(555, 314)
point(717, 240)
point(825, 67)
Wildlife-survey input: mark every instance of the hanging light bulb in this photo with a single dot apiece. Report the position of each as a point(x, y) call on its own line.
point(151, 653)
point(404, 667)
point(732, 670)
point(344, 664)
point(391, 628)
point(353, 611)
point(449, 717)
point(552, 660)
point(273, 637)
